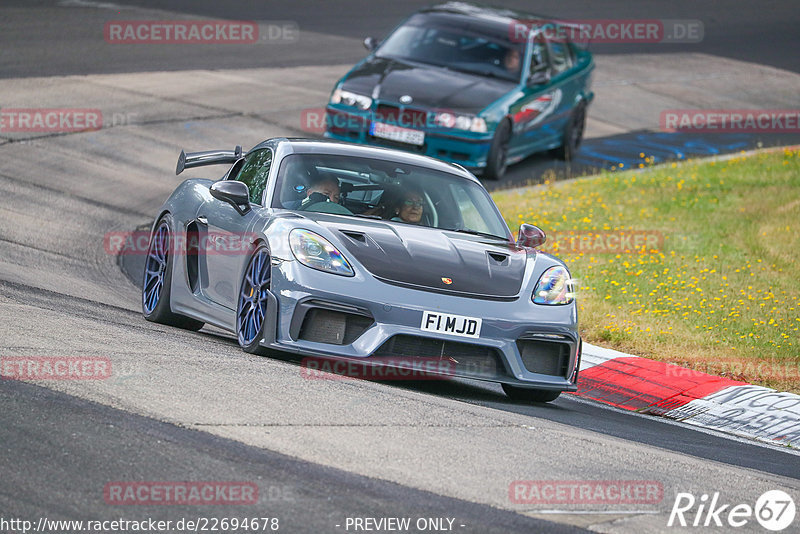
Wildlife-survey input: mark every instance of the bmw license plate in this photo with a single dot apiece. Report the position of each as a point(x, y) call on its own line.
point(445, 323)
point(397, 133)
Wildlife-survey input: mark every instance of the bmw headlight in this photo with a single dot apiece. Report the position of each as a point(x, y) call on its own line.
point(554, 287)
point(350, 99)
point(469, 123)
point(313, 250)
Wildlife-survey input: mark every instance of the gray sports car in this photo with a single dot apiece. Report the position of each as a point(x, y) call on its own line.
point(354, 253)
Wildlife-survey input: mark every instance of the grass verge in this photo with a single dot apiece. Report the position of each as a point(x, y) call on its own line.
point(692, 263)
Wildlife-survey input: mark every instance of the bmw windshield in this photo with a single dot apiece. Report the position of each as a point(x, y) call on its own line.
point(429, 40)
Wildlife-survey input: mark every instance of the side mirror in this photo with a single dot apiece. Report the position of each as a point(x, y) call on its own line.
point(370, 43)
point(530, 236)
point(237, 194)
point(540, 77)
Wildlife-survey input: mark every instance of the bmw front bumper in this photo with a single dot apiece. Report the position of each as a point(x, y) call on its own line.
point(468, 149)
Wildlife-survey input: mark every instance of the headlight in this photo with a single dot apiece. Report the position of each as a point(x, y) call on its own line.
point(313, 250)
point(554, 287)
point(478, 125)
point(350, 99)
point(470, 123)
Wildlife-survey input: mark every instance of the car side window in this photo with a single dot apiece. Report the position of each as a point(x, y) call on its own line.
point(539, 57)
point(560, 56)
point(255, 172)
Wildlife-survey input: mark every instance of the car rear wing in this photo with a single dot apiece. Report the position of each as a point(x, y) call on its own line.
point(209, 157)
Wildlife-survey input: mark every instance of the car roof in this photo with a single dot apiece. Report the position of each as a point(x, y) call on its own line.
point(496, 18)
point(299, 145)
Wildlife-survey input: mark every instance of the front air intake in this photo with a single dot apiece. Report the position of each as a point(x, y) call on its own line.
point(334, 327)
point(544, 357)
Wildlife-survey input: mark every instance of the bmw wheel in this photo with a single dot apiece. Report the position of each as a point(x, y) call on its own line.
point(497, 160)
point(573, 134)
point(157, 280)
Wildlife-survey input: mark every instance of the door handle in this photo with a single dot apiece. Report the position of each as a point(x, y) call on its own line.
point(202, 219)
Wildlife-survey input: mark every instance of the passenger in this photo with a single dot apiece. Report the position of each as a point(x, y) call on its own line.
point(410, 207)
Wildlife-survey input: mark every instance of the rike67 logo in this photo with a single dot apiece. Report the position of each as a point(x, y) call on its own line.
point(774, 510)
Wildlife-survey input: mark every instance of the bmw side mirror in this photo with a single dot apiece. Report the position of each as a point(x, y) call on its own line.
point(370, 43)
point(237, 194)
point(530, 236)
point(540, 77)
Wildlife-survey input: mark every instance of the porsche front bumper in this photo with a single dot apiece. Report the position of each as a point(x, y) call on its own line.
point(361, 317)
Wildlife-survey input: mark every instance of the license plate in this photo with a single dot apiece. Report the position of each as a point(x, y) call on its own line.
point(397, 133)
point(445, 323)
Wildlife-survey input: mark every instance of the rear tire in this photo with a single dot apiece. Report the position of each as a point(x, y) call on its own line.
point(497, 160)
point(157, 279)
point(530, 395)
point(573, 134)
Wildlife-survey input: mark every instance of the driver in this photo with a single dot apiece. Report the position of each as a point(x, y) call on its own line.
point(323, 197)
point(511, 61)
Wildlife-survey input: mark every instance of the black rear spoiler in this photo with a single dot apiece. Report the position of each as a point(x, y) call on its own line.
point(209, 157)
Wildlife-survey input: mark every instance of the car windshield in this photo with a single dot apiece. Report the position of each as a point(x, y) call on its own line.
point(384, 190)
point(431, 41)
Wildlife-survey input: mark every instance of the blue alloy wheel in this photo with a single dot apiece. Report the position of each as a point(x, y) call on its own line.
point(155, 268)
point(253, 299)
point(156, 284)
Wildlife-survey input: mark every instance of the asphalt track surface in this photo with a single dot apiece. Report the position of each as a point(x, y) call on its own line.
point(190, 406)
point(758, 32)
point(305, 497)
point(590, 416)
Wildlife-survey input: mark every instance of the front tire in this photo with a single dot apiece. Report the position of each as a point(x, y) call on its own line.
point(157, 281)
point(497, 160)
point(530, 395)
point(253, 303)
point(573, 134)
